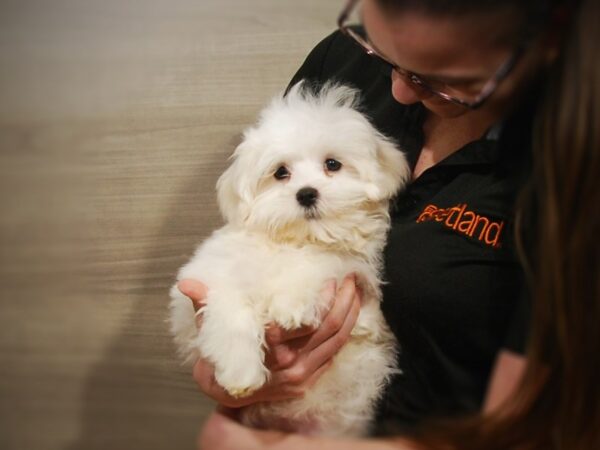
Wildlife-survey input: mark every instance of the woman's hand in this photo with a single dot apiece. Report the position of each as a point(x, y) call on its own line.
point(295, 358)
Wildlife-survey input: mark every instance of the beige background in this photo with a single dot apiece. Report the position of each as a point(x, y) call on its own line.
point(116, 117)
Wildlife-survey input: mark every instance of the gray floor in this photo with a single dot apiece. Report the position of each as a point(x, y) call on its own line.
point(116, 117)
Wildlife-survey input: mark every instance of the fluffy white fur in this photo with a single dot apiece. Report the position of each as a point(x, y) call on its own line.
point(273, 257)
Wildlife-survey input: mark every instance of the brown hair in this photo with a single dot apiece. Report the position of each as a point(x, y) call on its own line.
point(565, 264)
point(557, 405)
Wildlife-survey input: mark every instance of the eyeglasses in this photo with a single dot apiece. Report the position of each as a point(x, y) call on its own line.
point(438, 88)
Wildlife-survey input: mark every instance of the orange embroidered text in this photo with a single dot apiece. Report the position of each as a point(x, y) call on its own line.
point(465, 222)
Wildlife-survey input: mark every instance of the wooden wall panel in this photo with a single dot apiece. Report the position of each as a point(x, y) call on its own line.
point(116, 118)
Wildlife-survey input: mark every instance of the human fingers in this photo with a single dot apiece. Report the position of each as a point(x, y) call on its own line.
point(281, 386)
point(309, 364)
point(275, 334)
point(288, 374)
point(294, 383)
point(194, 290)
point(329, 348)
point(336, 316)
point(203, 374)
point(280, 356)
point(283, 345)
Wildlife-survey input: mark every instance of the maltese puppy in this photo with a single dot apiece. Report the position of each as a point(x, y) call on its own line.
point(305, 200)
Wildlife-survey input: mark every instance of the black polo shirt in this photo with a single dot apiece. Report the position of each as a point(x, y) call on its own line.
point(454, 287)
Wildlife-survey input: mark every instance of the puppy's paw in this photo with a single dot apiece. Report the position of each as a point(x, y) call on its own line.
point(243, 379)
point(291, 313)
point(240, 392)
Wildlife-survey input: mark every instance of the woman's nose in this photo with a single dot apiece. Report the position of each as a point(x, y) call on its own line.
point(406, 92)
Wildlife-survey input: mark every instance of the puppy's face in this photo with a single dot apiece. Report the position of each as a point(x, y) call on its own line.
point(312, 162)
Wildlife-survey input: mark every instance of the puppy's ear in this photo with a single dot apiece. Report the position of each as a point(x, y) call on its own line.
point(390, 173)
point(233, 188)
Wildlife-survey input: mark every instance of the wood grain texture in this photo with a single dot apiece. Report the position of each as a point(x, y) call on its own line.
point(116, 118)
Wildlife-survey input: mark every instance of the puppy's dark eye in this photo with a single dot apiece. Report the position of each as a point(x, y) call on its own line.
point(332, 165)
point(281, 173)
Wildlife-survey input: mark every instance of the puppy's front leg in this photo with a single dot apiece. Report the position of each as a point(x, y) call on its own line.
point(231, 337)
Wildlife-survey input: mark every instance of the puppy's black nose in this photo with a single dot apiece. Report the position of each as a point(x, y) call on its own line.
point(307, 196)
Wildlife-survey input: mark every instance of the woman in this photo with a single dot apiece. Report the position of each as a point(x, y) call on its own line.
point(488, 58)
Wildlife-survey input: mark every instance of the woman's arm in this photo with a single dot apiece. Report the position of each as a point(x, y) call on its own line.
point(506, 375)
point(222, 433)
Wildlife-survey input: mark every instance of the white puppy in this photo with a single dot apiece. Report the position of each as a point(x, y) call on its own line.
point(305, 200)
